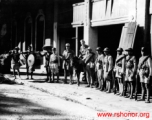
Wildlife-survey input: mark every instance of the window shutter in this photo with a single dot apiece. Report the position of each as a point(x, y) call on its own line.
point(128, 35)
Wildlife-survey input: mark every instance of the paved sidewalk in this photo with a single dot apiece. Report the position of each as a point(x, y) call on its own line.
point(95, 99)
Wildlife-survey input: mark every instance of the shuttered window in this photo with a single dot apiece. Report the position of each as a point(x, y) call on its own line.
point(128, 35)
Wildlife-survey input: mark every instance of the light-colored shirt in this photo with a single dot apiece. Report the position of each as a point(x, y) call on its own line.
point(108, 63)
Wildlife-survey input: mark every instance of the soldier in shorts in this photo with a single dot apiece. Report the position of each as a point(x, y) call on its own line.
point(54, 64)
point(108, 70)
point(119, 70)
point(131, 68)
point(90, 66)
point(67, 57)
point(99, 67)
point(145, 73)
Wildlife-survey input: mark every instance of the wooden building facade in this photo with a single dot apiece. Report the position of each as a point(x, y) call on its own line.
point(105, 23)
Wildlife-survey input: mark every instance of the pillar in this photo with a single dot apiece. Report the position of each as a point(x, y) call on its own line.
point(76, 40)
point(90, 33)
point(55, 26)
point(143, 21)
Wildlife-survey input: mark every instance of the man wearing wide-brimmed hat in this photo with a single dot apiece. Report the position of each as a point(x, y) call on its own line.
point(99, 67)
point(108, 69)
point(15, 64)
point(67, 57)
point(46, 53)
point(119, 70)
point(145, 73)
point(130, 73)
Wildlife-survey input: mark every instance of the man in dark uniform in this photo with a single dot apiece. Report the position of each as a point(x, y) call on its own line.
point(67, 57)
point(15, 64)
point(47, 54)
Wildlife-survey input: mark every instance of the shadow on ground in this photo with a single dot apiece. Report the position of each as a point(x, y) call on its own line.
point(18, 106)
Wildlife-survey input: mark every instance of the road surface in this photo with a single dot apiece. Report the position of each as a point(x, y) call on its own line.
point(18, 102)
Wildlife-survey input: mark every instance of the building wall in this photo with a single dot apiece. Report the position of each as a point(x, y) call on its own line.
point(58, 15)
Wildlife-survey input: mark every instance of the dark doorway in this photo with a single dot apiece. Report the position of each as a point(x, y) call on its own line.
point(109, 36)
point(28, 33)
point(80, 36)
point(68, 36)
point(14, 33)
point(40, 33)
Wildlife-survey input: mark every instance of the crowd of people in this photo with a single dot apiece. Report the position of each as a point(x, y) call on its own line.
point(121, 77)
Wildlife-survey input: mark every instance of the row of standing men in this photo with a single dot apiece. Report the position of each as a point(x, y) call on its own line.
point(111, 76)
point(118, 76)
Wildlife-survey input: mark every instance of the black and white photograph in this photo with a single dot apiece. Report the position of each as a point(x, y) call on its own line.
point(75, 59)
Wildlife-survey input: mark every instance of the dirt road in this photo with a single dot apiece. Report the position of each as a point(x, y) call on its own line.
point(18, 102)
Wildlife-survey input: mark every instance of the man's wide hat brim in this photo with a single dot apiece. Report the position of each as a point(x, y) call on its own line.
point(47, 47)
point(16, 48)
point(129, 49)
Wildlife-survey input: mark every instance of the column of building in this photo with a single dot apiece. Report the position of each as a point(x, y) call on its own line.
point(55, 26)
point(90, 33)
